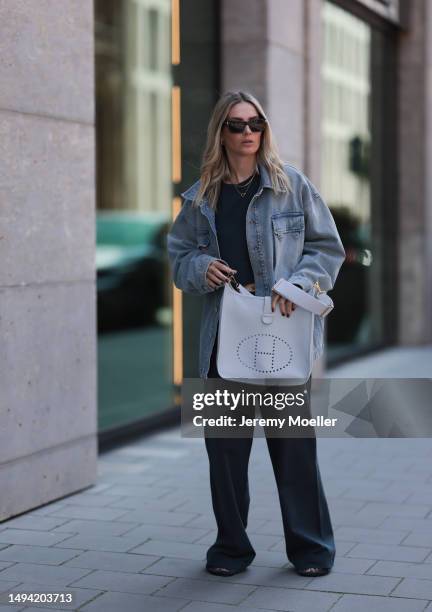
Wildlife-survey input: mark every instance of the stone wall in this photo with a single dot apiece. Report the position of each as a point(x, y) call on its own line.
point(48, 424)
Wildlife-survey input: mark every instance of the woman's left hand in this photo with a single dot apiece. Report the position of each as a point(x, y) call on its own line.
point(286, 306)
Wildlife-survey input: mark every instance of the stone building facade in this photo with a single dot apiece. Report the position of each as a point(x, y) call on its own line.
point(374, 132)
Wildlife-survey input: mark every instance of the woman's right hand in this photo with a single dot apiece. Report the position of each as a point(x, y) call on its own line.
point(218, 273)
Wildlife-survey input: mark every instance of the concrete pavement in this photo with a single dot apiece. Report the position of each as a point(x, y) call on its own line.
point(394, 362)
point(137, 540)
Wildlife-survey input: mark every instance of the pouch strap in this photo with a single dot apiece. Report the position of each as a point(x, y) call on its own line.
point(320, 305)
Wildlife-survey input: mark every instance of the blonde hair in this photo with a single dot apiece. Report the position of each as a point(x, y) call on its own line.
point(215, 167)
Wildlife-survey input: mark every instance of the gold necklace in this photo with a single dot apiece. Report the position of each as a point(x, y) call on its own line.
point(247, 185)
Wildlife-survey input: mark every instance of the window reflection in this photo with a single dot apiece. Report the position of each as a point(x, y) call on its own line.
point(347, 179)
point(133, 132)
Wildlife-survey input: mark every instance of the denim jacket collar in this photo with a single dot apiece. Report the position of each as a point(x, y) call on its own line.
point(190, 193)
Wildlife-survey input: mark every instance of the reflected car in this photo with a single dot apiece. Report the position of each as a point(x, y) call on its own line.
point(131, 263)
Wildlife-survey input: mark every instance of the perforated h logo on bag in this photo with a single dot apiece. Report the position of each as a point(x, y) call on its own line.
point(265, 353)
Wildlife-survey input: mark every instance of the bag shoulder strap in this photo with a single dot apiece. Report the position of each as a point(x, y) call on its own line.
point(320, 305)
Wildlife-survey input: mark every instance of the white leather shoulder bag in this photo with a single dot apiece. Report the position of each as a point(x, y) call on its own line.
point(258, 346)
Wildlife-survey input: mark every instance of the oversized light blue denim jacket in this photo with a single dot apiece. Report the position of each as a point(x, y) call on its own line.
point(289, 235)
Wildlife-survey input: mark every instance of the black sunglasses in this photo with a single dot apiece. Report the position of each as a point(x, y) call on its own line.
point(236, 126)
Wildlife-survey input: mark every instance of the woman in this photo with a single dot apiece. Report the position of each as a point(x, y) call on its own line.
point(252, 215)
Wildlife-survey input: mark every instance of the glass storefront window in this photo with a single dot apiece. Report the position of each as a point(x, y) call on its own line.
point(134, 192)
point(357, 103)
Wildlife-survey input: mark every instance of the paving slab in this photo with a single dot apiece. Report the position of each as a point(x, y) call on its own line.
point(137, 540)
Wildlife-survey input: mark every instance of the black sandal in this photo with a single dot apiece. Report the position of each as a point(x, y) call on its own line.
point(222, 571)
point(313, 571)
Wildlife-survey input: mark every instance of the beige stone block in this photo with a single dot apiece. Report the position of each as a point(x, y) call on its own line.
point(34, 480)
point(412, 315)
point(47, 58)
point(285, 24)
point(285, 100)
point(47, 367)
point(47, 207)
point(244, 21)
point(244, 67)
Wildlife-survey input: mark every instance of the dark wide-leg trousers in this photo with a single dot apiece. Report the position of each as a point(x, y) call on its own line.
point(306, 520)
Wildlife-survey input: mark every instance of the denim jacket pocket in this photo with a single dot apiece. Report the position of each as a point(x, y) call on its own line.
point(288, 223)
